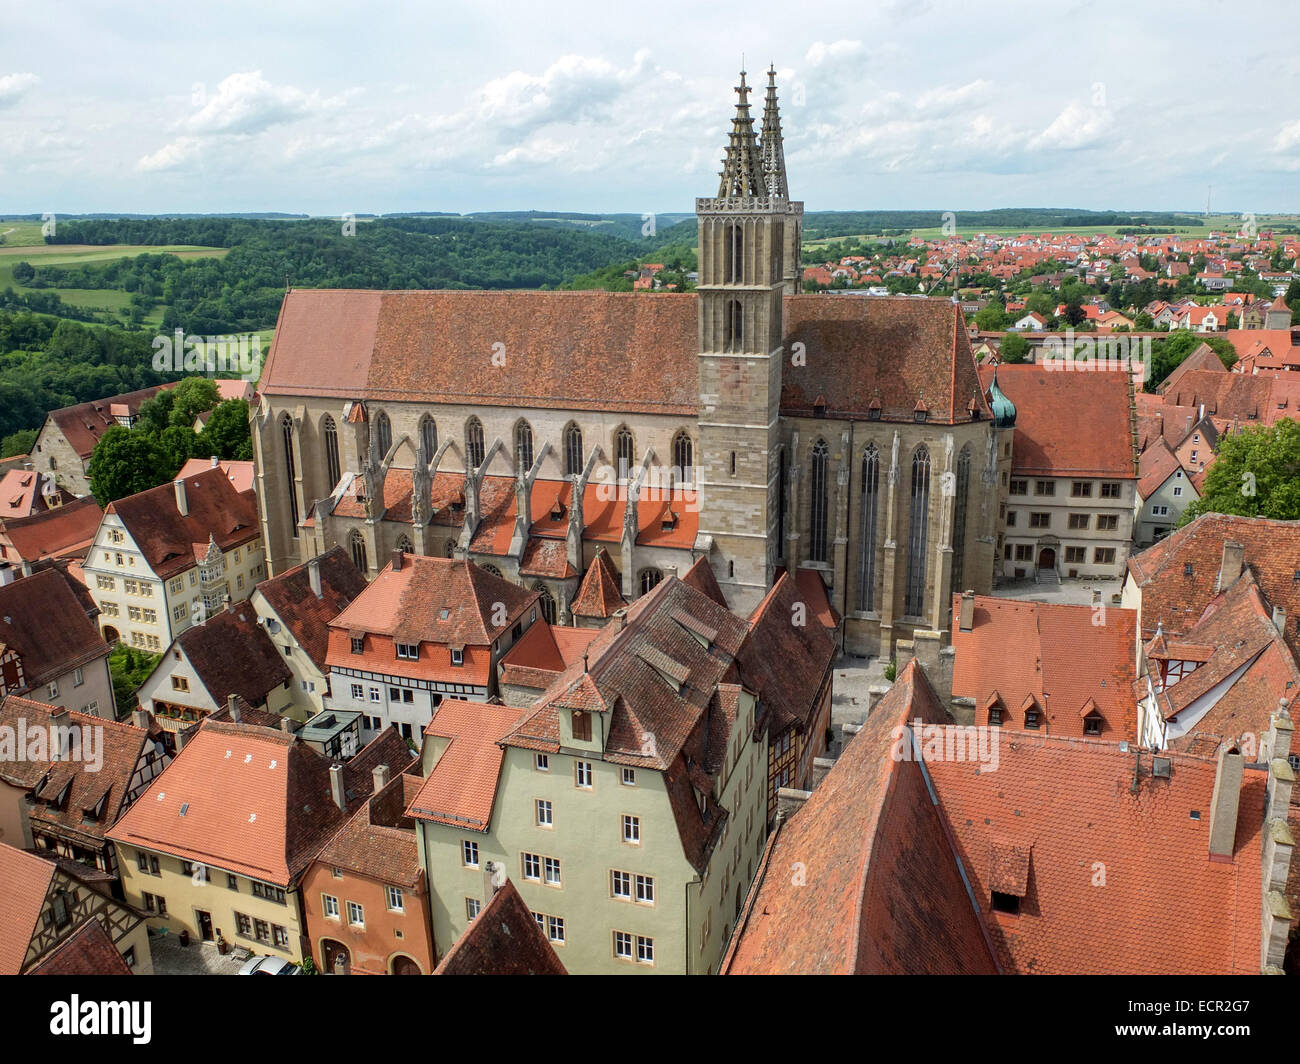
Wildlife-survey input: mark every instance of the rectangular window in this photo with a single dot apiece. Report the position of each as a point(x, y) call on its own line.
point(645, 889)
point(408, 651)
point(473, 907)
point(357, 691)
point(261, 930)
point(180, 683)
point(622, 945)
point(232, 882)
point(330, 906)
point(374, 694)
point(1107, 522)
point(396, 899)
point(1019, 487)
point(457, 656)
point(555, 929)
point(1011, 519)
point(1076, 555)
point(1040, 520)
point(356, 915)
point(469, 853)
point(620, 885)
point(582, 775)
point(629, 777)
point(1178, 491)
point(279, 937)
point(542, 762)
point(1079, 521)
point(532, 865)
point(358, 644)
point(545, 816)
point(631, 828)
point(1044, 487)
point(1081, 489)
point(552, 869)
point(581, 726)
point(645, 950)
point(78, 677)
point(243, 925)
point(1103, 555)
point(1024, 552)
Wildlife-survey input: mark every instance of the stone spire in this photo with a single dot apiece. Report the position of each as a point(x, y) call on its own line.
point(742, 167)
point(773, 148)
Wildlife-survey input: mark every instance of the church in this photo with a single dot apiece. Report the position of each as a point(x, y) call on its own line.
point(839, 437)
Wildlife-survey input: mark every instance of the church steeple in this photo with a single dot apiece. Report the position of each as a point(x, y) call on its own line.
point(773, 150)
point(742, 166)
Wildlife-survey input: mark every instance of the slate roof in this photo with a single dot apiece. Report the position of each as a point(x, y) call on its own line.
point(44, 620)
point(503, 939)
point(880, 892)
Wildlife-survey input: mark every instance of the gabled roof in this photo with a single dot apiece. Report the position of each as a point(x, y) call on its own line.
point(87, 951)
point(543, 652)
point(460, 789)
point(880, 892)
point(79, 798)
point(378, 841)
point(169, 541)
point(1068, 423)
point(232, 654)
point(65, 531)
point(251, 800)
point(599, 594)
point(701, 577)
point(1073, 806)
point(82, 425)
point(503, 939)
point(1062, 661)
point(1155, 466)
point(1203, 357)
point(306, 616)
point(44, 620)
point(26, 880)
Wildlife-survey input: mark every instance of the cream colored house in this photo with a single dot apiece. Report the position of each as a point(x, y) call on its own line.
point(165, 558)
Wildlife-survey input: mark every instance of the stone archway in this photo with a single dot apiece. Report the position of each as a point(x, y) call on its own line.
point(111, 635)
point(1047, 558)
point(401, 964)
point(336, 958)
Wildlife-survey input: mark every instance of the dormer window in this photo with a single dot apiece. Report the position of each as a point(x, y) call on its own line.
point(1031, 719)
point(581, 726)
point(358, 644)
point(995, 717)
point(873, 414)
point(408, 651)
point(1092, 724)
point(458, 656)
point(1006, 903)
point(920, 416)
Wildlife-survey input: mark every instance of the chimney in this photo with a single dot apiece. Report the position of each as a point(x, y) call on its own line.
point(27, 567)
point(232, 704)
point(216, 462)
point(286, 725)
point(313, 576)
point(1227, 796)
point(1230, 568)
point(60, 724)
point(381, 776)
point(1279, 620)
point(140, 718)
point(337, 790)
point(397, 559)
point(181, 503)
point(967, 611)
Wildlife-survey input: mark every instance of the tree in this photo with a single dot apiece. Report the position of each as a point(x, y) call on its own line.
point(226, 434)
point(23, 272)
point(193, 396)
point(991, 318)
point(129, 668)
point(178, 445)
point(18, 443)
point(123, 463)
point(1256, 474)
point(1168, 354)
point(1014, 348)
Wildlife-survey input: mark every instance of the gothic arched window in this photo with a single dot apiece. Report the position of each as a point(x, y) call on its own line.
point(867, 532)
point(735, 325)
point(684, 457)
point(474, 442)
point(291, 470)
point(819, 502)
point(781, 489)
point(404, 544)
point(573, 450)
point(333, 469)
point(918, 534)
point(491, 569)
point(734, 252)
point(524, 446)
point(962, 487)
point(625, 449)
point(357, 545)
point(384, 429)
point(650, 579)
point(429, 437)
point(451, 548)
point(547, 602)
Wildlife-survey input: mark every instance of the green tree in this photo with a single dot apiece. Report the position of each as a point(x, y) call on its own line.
point(226, 434)
point(1014, 348)
point(129, 668)
point(20, 442)
point(193, 396)
point(124, 463)
point(991, 318)
point(1256, 474)
point(23, 272)
point(1168, 353)
point(178, 445)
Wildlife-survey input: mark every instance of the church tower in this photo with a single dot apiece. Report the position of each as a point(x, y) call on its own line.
point(746, 236)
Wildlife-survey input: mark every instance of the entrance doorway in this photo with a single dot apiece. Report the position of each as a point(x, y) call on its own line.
point(335, 957)
point(1047, 558)
point(205, 925)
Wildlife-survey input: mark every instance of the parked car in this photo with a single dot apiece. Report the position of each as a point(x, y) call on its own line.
point(269, 966)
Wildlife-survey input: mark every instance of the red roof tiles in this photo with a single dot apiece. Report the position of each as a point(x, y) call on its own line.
point(503, 939)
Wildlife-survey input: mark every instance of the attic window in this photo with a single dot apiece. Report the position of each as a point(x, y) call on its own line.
point(1032, 719)
point(1187, 569)
point(358, 644)
point(995, 717)
point(669, 522)
point(873, 414)
point(581, 726)
point(557, 509)
point(1092, 724)
point(1006, 903)
point(920, 416)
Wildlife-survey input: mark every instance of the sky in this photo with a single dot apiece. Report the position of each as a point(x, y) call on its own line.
point(332, 106)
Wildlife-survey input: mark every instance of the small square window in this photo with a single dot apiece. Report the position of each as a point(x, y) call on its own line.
point(629, 777)
point(1006, 903)
point(542, 762)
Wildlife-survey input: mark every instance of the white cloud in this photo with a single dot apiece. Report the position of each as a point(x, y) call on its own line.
point(1287, 137)
point(1075, 127)
point(13, 87)
point(248, 103)
point(171, 156)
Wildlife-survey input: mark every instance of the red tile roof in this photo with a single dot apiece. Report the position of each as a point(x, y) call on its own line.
point(1204, 357)
point(378, 841)
point(306, 616)
point(503, 939)
point(65, 531)
point(170, 542)
point(240, 474)
point(82, 425)
point(87, 951)
point(542, 653)
point(1069, 423)
point(1156, 465)
point(1102, 857)
point(45, 622)
point(22, 493)
point(1061, 658)
point(861, 879)
point(26, 880)
point(599, 594)
point(460, 788)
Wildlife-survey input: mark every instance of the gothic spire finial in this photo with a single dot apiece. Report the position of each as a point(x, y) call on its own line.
point(742, 166)
point(773, 149)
